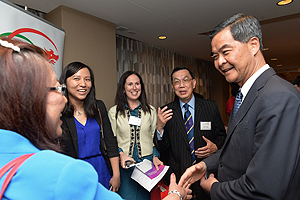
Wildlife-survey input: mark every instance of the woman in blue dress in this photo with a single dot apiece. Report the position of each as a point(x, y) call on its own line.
point(133, 122)
point(87, 132)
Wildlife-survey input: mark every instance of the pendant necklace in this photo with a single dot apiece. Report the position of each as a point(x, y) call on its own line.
point(79, 113)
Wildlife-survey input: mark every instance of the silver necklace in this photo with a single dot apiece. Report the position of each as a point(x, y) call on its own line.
point(79, 113)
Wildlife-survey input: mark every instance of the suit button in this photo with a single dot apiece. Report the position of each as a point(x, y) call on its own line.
point(221, 164)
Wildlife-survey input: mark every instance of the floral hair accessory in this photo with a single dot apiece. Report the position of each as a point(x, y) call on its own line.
point(9, 45)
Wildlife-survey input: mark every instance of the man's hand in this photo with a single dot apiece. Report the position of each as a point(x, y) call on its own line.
point(185, 192)
point(192, 174)
point(163, 115)
point(207, 183)
point(207, 150)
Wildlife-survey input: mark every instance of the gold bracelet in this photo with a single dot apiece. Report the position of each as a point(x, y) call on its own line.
point(176, 192)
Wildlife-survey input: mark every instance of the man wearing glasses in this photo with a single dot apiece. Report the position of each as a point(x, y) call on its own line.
point(189, 129)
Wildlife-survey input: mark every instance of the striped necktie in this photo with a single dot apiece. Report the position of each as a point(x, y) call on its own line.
point(189, 126)
point(237, 104)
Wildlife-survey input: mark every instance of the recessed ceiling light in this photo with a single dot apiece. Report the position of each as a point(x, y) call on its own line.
point(265, 49)
point(279, 65)
point(273, 59)
point(162, 37)
point(284, 2)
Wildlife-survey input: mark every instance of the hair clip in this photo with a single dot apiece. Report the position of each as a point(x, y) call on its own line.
point(9, 45)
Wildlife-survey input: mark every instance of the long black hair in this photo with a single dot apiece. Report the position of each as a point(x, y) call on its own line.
point(121, 98)
point(90, 102)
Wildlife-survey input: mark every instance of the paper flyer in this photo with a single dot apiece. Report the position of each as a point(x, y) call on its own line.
point(146, 174)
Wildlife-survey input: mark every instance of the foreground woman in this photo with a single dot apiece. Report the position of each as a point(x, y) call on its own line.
point(31, 101)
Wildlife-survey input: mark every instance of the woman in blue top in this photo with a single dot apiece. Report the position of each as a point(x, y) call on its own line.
point(133, 122)
point(86, 127)
point(31, 102)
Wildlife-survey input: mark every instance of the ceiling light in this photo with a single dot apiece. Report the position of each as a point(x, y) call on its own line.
point(274, 59)
point(121, 28)
point(162, 37)
point(284, 2)
point(279, 65)
point(265, 49)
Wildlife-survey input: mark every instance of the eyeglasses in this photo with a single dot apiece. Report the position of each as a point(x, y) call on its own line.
point(184, 81)
point(61, 88)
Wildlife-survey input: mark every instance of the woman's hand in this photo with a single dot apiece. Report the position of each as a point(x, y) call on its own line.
point(157, 162)
point(115, 183)
point(185, 192)
point(124, 158)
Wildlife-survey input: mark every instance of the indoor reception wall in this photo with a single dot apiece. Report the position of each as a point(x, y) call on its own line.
point(93, 41)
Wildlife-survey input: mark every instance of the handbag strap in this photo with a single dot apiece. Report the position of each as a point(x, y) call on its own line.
point(14, 166)
point(102, 134)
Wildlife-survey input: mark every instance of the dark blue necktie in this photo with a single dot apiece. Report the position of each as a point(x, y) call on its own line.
point(189, 126)
point(237, 104)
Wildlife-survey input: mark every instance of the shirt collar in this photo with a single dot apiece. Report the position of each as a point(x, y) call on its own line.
point(246, 87)
point(191, 103)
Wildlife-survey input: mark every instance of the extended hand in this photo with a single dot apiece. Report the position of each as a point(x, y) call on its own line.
point(192, 174)
point(185, 192)
point(207, 150)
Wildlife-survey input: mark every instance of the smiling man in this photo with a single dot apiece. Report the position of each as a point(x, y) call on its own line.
point(188, 129)
point(260, 158)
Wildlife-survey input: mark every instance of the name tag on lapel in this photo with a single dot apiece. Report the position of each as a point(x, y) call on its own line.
point(205, 126)
point(135, 121)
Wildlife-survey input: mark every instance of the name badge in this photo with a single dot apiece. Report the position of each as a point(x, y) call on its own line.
point(135, 121)
point(205, 126)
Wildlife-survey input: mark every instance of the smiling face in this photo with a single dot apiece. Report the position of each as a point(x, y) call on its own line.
point(55, 103)
point(79, 85)
point(232, 58)
point(183, 85)
point(132, 88)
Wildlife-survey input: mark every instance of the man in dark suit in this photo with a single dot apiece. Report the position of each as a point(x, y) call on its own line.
point(172, 138)
point(261, 155)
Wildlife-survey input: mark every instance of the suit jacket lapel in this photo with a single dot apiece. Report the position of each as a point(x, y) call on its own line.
point(198, 116)
point(73, 132)
point(177, 114)
point(249, 100)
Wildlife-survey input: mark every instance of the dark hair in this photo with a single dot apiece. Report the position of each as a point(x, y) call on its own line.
point(181, 68)
point(296, 81)
point(242, 28)
point(90, 102)
point(121, 98)
point(24, 86)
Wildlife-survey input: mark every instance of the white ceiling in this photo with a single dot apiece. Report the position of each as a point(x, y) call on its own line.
point(182, 20)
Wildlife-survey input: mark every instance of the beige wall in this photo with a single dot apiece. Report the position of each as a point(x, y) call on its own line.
point(92, 41)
